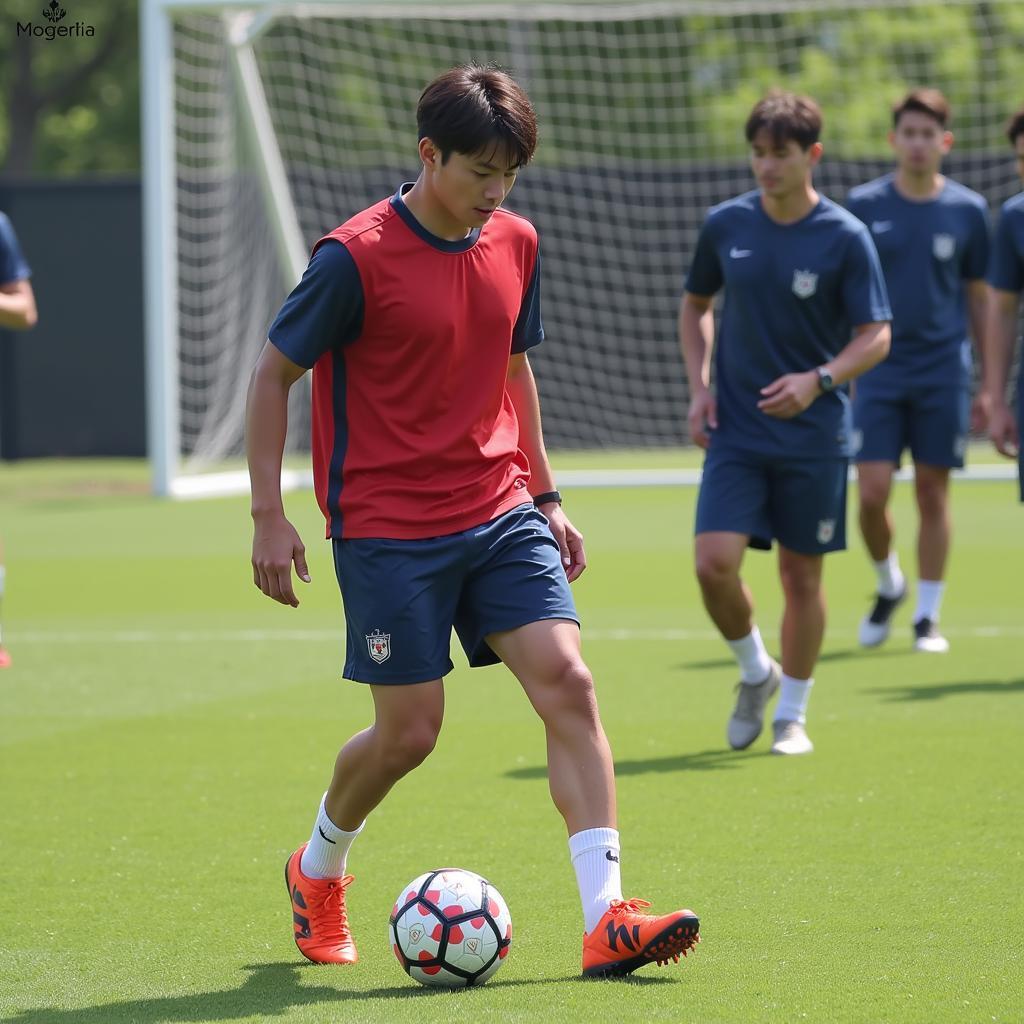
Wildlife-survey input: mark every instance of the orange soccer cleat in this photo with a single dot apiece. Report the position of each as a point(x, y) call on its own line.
point(626, 938)
point(319, 914)
point(5, 658)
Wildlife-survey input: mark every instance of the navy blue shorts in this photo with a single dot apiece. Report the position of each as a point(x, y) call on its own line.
point(931, 422)
point(402, 597)
point(801, 503)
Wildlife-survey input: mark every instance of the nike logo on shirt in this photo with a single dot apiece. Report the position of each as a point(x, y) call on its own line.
point(879, 227)
point(739, 254)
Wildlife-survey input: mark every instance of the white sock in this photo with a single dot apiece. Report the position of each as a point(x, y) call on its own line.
point(595, 859)
point(890, 577)
point(929, 599)
point(793, 697)
point(326, 854)
point(752, 656)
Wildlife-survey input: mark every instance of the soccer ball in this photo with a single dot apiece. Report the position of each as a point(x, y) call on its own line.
point(450, 928)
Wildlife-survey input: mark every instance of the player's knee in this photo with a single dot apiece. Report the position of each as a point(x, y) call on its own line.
point(569, 689)
point(409, 746)
point(800, 582)
point(873, 497)
point(931, 500)
point(713, 570)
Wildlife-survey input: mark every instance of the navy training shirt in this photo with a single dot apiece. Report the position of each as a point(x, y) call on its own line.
point(13, 266)
point(793, 292)
point(1006, 270)
point(928, 249)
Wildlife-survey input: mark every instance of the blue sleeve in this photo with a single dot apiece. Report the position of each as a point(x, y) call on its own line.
point(705, 277)
point(978, 245)
point(529, 329)
point(325, 309)
point(1006, 270)
point(865, 300)
point(13, 266)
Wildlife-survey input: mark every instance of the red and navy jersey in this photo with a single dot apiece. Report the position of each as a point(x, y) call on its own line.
point(409, 337)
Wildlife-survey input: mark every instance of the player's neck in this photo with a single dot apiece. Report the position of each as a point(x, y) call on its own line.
point(919, 186)
point(790, 208)
point(432, 215)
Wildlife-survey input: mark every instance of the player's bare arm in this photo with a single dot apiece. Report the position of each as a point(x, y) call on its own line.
point(276, 544)
point(522, 389)
point(697, 341)
point(977, 313)
point(790, 394)
point(1000, 334)
point(18, 306)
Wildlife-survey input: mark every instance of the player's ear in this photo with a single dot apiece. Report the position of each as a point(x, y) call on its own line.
point(892, 139)
point(815, 153)
point(947, 141)
point(430, 155)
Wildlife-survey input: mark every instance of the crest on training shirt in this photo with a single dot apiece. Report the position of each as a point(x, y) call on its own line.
point(826, 530)
point(943, 246)
point(805, 283)
point(379, 646)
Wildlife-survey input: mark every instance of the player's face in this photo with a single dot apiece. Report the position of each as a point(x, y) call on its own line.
point(1018, 148)
point(471, 186)
point(782, 169)
point(920, 143)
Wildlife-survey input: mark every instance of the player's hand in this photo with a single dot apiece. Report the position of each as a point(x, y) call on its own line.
point(702, 417)
point(275, 546)
point(981, 410)
point(789, 395)
point(1003, 430)
point(570, 540)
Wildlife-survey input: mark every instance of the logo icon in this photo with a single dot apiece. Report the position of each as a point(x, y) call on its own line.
point(379, 646)
point(739, 254)
point(826, 530)
point(805, 283)
point(54, 12)
point(943, 246)
point(879, 227)
point(472, 945)
point(611, 856)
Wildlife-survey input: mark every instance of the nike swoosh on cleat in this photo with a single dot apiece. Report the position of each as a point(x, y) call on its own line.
point(322, 836)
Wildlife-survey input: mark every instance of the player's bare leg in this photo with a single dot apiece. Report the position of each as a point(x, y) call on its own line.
point(619, 937)
point(931, 489)
point(877, 529)
point(407, 722)
point(803, 628)
point(718, 557)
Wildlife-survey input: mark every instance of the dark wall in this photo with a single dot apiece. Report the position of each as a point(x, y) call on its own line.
point(74, 385)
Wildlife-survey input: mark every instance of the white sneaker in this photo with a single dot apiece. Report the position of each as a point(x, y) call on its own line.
point(928, 639)
point(874, 627)
point(747, 719)
point(791, 738)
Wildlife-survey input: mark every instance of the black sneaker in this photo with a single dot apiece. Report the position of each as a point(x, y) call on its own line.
point(927, 637)
point(874, 628)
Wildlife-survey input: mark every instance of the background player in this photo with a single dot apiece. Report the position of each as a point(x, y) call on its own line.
point(417, 315)
point(1006, 278)
point(17, 313)
point(798, 270)
point(932, 238)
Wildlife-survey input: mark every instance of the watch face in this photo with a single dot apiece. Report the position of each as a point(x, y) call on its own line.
point(826, 380)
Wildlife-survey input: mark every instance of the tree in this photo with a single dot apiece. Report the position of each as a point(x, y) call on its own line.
point(71, 102)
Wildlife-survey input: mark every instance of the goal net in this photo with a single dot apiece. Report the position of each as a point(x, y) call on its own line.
point(267, 125)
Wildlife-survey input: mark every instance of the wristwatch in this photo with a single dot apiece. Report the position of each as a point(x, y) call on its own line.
point(825, 381)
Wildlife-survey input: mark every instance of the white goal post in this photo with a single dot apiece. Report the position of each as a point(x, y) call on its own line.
point(267, 124)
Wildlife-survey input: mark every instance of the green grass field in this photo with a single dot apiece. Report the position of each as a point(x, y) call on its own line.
point(166, 733)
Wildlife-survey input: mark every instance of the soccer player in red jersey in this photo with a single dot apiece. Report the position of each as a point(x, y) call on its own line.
point(416, 317)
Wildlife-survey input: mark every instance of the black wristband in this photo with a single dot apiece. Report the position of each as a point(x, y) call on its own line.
point(546, 497)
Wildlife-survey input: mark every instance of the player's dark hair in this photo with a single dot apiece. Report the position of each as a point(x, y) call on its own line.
point(785, 116)
point(923, 101)
point(1015, 127)
point(474, 108)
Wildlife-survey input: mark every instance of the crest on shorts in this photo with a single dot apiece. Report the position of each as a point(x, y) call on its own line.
point(379, 646)
point(805, 283)
point(943, 246)
point(826, 530)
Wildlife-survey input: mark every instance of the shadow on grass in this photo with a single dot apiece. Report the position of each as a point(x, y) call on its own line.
point(939, 690)
point(848, 654)
point(702, 761)
point(270, 990)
